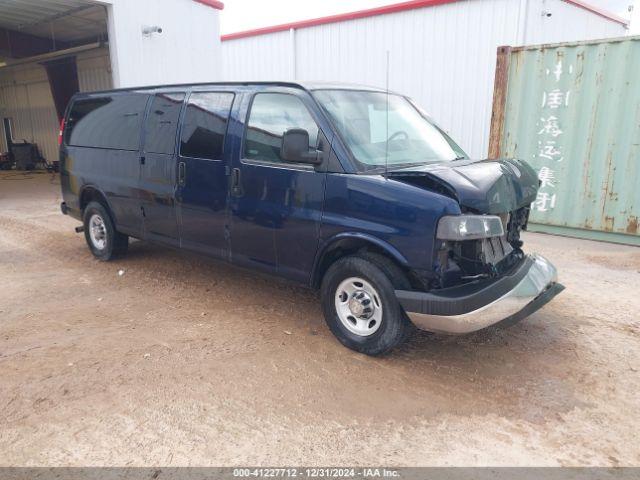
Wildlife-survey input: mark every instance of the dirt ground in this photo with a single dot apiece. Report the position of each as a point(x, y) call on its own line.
point(182, 360)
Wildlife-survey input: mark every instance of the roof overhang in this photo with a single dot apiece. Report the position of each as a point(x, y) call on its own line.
point(36, 27)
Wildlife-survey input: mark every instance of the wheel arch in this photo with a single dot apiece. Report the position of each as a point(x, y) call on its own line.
point(91, 193)
point(349, 243)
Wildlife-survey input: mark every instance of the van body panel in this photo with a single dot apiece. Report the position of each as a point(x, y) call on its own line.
point(158, 167)
point(202, 206)
point(157, 197)
point(297, 238)
point(276, 209)
point(327, 245)
point(114, 173)
point(202, 196)
point(399, 215)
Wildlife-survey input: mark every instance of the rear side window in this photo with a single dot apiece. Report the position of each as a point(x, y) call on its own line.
point(205, 125)
point(162, 123)
point(112, 121)
point(271, 115)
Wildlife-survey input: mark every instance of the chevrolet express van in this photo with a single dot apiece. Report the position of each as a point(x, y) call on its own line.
point(354, 191)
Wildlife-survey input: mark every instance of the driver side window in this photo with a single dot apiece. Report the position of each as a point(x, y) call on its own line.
point(271, 115)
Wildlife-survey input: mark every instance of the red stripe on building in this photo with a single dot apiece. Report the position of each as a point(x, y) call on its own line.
point(211, 3)
point(342, 17)
point(598, 11)
point(394, 8)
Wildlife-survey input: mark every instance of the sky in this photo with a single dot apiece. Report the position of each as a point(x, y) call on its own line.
point(239, 15)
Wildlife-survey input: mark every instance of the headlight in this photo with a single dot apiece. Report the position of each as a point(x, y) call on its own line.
point(469, 227)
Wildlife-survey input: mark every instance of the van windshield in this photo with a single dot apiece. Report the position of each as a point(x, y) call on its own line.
point(400, 137)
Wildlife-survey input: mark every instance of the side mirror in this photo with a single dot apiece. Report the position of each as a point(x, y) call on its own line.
point(295, 147)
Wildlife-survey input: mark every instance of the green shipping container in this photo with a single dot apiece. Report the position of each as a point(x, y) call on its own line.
point(573, 111)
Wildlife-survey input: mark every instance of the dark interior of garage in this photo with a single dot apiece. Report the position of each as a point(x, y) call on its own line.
point(40, 43)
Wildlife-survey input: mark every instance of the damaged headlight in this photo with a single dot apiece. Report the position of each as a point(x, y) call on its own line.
point(469, 227)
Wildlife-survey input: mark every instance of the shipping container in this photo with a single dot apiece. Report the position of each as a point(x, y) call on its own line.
point(573, 111)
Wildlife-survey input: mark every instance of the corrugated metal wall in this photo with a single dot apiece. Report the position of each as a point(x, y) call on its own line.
point(25, 97)
point(568, 23)
point(266, 57)
point(44, 119)
point(94, 71)
point(187, 50)
point(573, 111)
point(443, 56)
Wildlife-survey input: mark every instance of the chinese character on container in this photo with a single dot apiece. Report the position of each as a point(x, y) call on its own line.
point(550, 151)
point(547, 177)
point(550, 126)
point(544, 202)
point(555, 98)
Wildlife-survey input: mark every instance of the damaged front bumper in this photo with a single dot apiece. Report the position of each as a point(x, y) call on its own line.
point(470, 307)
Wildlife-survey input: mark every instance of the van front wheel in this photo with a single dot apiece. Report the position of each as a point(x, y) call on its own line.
point(99, 231)
point(360, 306)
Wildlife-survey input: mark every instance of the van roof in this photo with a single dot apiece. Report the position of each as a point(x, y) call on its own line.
point(309, 86)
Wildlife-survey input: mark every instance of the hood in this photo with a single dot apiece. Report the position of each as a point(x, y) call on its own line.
point(486, 186)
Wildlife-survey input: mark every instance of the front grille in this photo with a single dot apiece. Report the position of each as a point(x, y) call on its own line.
point(494, 249)
point(464, 261)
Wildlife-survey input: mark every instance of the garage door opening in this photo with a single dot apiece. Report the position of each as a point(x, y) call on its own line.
point(49, 50)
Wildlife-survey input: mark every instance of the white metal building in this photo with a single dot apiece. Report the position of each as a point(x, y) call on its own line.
point(442, 52)
point(51, 48)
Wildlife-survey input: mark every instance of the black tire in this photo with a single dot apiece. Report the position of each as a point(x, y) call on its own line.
point(115, 243)
point(382, 274)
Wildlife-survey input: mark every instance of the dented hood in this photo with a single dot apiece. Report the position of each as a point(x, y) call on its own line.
point(487, 186)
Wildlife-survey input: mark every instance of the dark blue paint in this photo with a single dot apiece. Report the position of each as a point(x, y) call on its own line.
point(202, 206)
point(115, 173)
point(400, 217)
point(283, 218)
point(275, 217)
point(157, 197)
point(157, 191)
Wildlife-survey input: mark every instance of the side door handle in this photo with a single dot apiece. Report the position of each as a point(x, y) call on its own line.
point(236, 187)
point(182, 173)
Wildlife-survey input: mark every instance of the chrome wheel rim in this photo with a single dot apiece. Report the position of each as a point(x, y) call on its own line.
point(358, 306)
point(97, 231)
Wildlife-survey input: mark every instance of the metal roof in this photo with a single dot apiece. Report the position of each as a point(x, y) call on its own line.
point(65, 20)
point(392, 8)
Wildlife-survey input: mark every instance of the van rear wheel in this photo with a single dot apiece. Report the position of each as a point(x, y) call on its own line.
point(102, 238)
point(360, 306)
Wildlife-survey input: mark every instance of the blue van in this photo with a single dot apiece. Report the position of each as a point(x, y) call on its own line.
point(354, 191)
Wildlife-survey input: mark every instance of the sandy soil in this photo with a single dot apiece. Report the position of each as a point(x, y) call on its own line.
point(185, 361)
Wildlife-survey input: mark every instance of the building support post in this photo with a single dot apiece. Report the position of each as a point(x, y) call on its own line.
point(114, 46)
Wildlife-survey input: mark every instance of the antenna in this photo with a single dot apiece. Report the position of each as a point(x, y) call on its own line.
point(386, 147)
